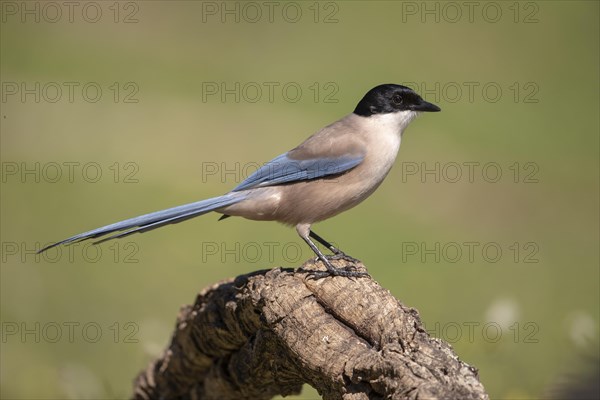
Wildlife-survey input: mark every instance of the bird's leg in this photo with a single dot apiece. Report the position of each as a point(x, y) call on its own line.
point(325, 243)
point(331, 270)
point(304, 232)
point(338, 254)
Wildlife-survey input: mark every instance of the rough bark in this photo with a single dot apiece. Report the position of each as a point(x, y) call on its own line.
point(268, 332)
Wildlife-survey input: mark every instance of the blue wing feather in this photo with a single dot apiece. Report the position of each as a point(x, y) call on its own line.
point(283, 169)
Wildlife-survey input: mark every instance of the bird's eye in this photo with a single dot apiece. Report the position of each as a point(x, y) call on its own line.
point(397, 99)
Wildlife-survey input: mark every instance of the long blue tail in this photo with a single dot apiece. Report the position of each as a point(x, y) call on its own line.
point(154, 220)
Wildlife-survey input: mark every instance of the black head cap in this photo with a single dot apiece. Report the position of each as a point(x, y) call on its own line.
point(389, 98)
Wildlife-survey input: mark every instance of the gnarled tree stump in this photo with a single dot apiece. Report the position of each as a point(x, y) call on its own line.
point(268, 332)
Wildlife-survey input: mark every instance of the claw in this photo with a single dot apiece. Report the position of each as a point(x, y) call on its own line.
point(347, 271)
point(343, 256)
point(304, 232)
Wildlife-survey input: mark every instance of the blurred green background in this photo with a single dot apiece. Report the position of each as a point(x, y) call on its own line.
point(518, 86)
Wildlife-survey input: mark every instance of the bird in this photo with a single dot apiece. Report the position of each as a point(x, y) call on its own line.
point(332, 171)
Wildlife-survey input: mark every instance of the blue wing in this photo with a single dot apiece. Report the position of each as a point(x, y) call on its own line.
point(284, 169)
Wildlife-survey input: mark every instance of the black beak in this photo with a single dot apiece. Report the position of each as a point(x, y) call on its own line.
point(425, 106)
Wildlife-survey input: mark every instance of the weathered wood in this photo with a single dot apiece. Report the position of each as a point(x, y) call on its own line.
point(268, 332)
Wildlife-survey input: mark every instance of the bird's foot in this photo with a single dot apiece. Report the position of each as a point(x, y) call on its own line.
point(348, 271)
point(345, 272)
point(340, 255)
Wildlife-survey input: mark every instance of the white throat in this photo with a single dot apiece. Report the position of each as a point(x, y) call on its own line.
point(393, 122)
point(384, 134)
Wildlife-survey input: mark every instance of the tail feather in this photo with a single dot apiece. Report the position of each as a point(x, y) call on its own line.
point(154, 220)
point(149, 227)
